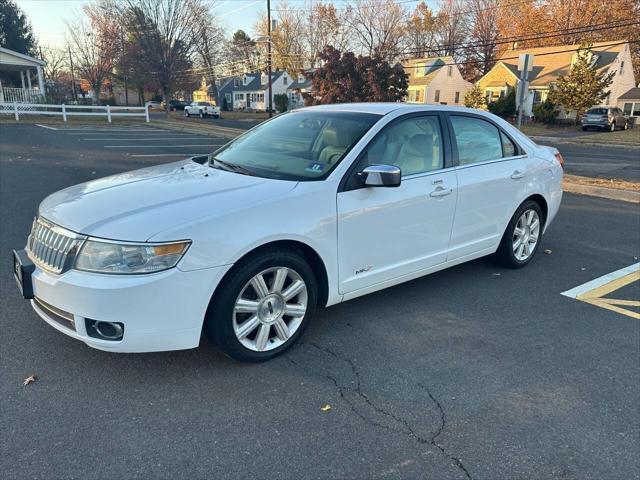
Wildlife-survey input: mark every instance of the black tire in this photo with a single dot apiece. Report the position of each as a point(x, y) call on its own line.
point(505, 254)
point(626, 125)
point(186, 113)
point(612, 128)
point(201, 114)
point(218, 323)
point(584, 129)
point(216, 116)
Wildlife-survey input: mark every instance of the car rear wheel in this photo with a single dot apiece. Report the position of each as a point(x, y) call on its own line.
point(263, 306)
point(522, 237)
point(612, 128)
point(626, 125)
point(186, 113)
point(201, 114)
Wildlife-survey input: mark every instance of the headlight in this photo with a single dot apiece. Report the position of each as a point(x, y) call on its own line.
point(107, 257)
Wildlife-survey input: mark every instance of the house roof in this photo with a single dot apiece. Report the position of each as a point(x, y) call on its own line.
point(306, 85)
point(550, 62)
point(632, 94)
point(10, 60)
point(255, 84)
point(435, 64)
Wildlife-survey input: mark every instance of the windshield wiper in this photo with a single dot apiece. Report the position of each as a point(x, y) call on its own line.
point(232, 167)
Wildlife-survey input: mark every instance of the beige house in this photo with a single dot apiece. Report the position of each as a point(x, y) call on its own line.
point(551, 62)
point(435, 80)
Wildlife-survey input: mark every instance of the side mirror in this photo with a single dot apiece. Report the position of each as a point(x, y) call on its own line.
point(381, 176)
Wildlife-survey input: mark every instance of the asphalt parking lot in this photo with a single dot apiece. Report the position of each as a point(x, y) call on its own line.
point(474, 372)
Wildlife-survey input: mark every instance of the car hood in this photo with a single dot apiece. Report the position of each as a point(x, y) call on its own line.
point(136, 205)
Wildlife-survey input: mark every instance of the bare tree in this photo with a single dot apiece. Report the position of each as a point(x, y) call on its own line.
point(288, 51)
point(377, 26)
point(323, 26)
point(164, 31)
point(93, 56)
point(481, 51)
point(452, 26)
point(208, 43)
point(420, 32)
point(244, 53)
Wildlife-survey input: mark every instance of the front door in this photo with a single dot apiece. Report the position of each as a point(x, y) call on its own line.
point(385, 233)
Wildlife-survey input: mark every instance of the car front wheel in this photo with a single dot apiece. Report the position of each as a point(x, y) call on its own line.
point(262, 306)
point(186, 113)
point(613, 127)
point(522, 237)
point(201, 114)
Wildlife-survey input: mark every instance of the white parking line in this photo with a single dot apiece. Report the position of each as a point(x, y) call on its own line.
point(164, 146)
point(598, 282)
point(141, 138)
point(46, 126)
point(167, 155)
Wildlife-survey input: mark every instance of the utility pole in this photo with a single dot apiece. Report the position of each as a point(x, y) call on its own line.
point(269, 57)
point(525, 64)
point(124, 68)
point(73, 78)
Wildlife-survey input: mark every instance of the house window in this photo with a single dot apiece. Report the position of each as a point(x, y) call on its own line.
point(457, 100)
point(449, 71)
point(636, 109)
point(537, 97)
point(628, 108)
point(284, 80)
point(621, 67)
point(437, 96)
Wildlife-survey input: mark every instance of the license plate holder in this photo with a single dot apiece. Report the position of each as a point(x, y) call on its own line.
point(22, 270)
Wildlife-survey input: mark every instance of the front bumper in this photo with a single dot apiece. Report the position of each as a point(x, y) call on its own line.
point(161, 311)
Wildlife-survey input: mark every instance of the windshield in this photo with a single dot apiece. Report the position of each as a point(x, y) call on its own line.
point(299, 146)
point(597, 111)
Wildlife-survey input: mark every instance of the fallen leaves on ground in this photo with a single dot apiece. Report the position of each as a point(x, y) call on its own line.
point(325, 408)
point(30, 379)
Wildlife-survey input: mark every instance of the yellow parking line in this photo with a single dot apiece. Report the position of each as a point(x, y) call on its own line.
point(593, 292)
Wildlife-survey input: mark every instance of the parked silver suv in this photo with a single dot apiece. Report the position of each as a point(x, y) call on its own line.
point(608, 118)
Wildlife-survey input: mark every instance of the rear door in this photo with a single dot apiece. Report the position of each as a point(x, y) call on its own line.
point(385, 233)
point(491, 175)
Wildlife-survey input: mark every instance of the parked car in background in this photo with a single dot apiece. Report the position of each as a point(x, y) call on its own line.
point(176, 105)
point(608, 118)
point(315, 207)
point(153, 105)
point(202, 109)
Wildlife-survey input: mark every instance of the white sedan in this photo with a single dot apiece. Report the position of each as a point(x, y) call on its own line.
point(312, 208)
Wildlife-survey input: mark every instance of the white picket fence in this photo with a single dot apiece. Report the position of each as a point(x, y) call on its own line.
point(17, 109)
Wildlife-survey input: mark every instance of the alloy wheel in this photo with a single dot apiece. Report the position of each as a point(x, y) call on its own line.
point(525, 235)
point(270, 309)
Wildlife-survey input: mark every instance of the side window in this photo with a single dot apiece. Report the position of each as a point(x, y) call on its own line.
point(477, 140)
point(508, 147)
point(413, 144)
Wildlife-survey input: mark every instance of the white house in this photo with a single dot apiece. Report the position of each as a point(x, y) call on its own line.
point(11, 61)
point(253, 93)
point(435, 80)
point(297, 91)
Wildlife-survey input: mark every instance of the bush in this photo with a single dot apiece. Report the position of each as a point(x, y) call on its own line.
point(474, 98)
point(282, 102)
point(505, 106)
point(545, 112)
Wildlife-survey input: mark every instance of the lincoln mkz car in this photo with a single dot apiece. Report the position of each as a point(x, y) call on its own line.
point(312, 208)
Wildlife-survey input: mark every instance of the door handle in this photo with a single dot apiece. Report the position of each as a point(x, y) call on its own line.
point(441, 192)
point(517, 175)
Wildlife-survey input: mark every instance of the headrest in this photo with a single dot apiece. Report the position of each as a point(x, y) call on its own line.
point(336, 138)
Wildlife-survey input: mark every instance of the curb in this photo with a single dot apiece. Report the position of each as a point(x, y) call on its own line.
point(602, 192)
point(538, 138)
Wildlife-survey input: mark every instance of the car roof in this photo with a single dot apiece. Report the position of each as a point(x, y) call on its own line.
point(385, 108)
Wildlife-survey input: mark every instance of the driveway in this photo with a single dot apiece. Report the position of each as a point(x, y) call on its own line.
point(474, 372)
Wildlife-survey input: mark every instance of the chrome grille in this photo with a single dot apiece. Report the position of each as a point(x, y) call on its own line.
point(51, 247)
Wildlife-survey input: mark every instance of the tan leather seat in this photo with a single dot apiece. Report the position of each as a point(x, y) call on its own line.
point(416, 155)
point(337, 142)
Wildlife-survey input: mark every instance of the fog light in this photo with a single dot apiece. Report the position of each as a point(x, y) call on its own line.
point(105, 330)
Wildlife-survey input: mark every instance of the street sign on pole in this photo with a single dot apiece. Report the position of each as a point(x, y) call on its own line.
point(525, 65)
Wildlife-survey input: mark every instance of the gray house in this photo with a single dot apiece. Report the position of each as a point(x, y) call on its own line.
point(226, 86)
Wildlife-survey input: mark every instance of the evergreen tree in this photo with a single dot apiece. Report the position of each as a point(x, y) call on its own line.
point(583, 87)
point(474, 98)
point(15, 30)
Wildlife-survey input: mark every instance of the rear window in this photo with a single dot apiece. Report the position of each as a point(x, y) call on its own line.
point(597, 111)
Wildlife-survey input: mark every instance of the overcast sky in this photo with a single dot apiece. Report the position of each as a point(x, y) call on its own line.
point(48, 16)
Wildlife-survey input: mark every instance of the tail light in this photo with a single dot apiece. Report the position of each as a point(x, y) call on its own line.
point(560, 159)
